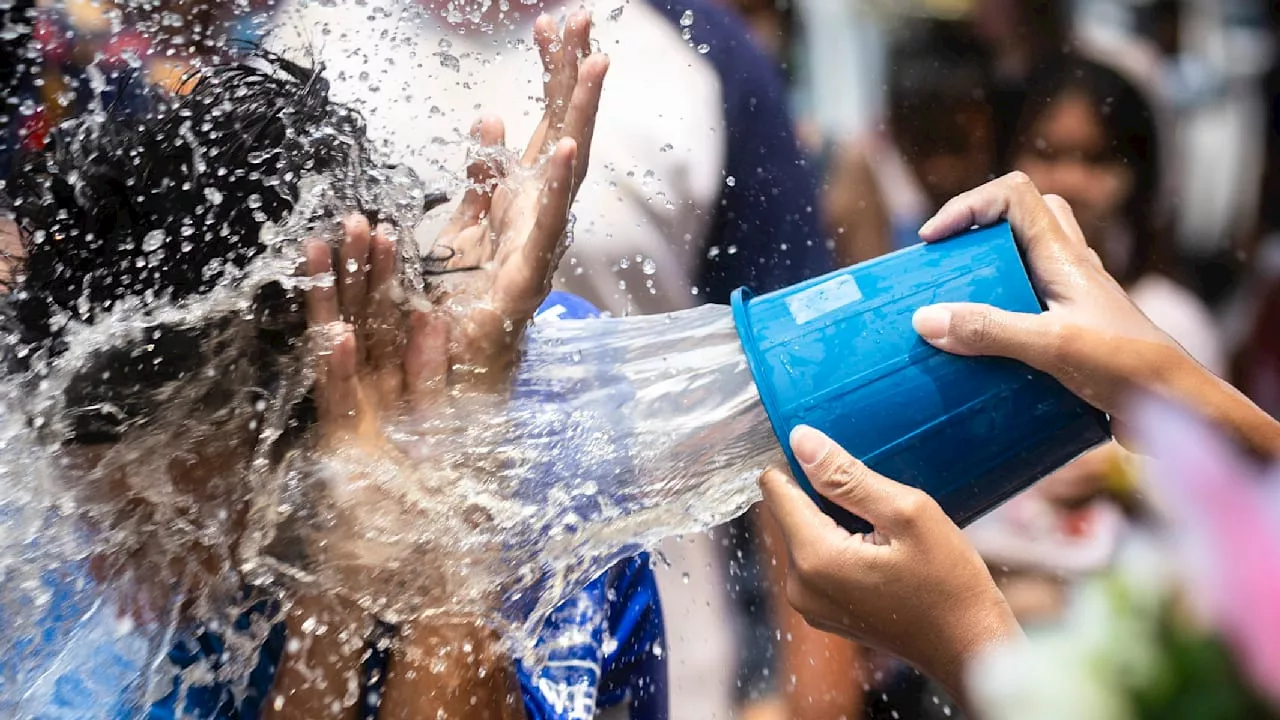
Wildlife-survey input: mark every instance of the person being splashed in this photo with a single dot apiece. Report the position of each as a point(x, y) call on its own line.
point(203, 364)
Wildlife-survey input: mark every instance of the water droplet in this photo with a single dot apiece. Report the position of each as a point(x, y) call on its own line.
point(450, 62)
point(686, 19)
point(731, 181)
point(352, 265)
point(649, 267)
point(703, 49)
point(254, 201)
point(153, 241)
point(616, 13)
point(666, 148)
point(684, 578)
point(213, 195)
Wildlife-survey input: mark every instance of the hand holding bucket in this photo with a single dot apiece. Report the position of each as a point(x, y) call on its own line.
point(839, 353)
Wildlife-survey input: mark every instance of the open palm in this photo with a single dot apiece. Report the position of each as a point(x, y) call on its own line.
point(510, 226)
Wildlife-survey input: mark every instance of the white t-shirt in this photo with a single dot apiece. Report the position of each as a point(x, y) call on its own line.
point(649, 198)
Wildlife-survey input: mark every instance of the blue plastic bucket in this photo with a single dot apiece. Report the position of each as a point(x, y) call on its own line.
point(838, 353)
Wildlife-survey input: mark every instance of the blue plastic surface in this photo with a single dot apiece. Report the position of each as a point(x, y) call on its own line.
point(838, 353)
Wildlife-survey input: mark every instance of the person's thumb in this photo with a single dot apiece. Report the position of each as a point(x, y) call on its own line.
point(972, 329)
point(849, 483)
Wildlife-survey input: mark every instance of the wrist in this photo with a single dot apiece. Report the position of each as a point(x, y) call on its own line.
point(992, 623)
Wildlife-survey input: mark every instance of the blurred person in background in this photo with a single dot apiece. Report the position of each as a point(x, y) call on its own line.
point(697, 186)
point(1023, 38)
point(1090, 135)
point(940, 141)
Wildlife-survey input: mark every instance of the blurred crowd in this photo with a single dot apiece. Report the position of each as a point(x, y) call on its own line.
point(1159, 121)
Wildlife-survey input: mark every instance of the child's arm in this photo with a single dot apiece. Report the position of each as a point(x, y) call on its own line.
point(320, 670)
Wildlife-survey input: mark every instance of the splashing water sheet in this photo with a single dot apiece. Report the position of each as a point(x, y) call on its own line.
point(617, 433)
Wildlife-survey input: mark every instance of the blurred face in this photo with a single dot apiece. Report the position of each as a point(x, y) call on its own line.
point(964, 159)
point(1066, 154)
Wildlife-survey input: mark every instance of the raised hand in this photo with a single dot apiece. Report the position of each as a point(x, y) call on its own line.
point(511, 225)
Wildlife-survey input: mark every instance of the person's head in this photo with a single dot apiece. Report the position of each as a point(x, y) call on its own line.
point(1089, 135)
point(939, 114)
point(154, 306)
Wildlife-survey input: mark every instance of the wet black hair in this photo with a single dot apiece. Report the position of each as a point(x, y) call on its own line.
point(937, 71)
point(167, 205)
point(1128, 121)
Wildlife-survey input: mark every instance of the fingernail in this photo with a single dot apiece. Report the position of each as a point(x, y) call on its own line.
point(809, 445)
point(932, 322)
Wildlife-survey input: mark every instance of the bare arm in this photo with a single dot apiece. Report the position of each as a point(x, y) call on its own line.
point(319, 672)
point(454, 671)
point(821, 673)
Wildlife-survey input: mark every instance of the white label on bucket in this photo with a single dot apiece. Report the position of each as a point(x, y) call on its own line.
point(819, 300)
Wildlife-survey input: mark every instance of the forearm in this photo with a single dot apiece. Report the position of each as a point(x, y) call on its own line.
point(451, 671)
point(1222, 404)
point(989, 627)
point(320, 670)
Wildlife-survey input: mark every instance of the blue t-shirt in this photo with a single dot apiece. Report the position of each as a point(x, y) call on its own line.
point(604, 649)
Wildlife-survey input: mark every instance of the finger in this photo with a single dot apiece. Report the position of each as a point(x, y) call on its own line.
point(847, 482)
point(550, 48)
point(580, 122)
point(575, 48)
point(382, 325)
point(518, 296)
point(337, 386)
point(975, 329)
point(322, 296)
point(483, 172)
point(1013, 197)
point(802, 524)
point(426, 356)
point(1066, 216)
point(353, 263)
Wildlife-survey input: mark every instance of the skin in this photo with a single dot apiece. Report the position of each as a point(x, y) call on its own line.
point(1067, 155)
point(377, 357)
point(914, 586)
point(10, 249)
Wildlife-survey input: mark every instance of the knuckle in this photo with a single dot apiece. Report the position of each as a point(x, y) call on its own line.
point(915, 506)
point(977, 328)
point(1019, 181)
point(844, 478)
point(808, 563)
point(798, 594)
